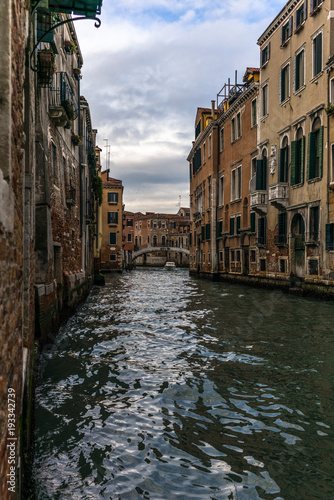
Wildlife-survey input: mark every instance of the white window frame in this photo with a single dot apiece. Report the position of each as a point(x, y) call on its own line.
point(283, 99)
point(302, 84)
point(254, 106)
point(265, 110)
point(319, 32)
point(221, 191)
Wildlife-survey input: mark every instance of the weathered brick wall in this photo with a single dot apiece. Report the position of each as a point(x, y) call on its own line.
point(11, 229)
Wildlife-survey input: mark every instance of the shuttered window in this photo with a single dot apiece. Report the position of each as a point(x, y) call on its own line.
point(285, 83)
point(282, 229)
point(317, 54)
point(203, 233)
point(265, 54)
point(197, 160)
point(232, 226)
point(112, 217)
point(314, 223)
point(220, 229)
point(315, 154)
point(286, 31)
point(261, 174)
point(297, 161)
point(284, 164)
point(238, 223)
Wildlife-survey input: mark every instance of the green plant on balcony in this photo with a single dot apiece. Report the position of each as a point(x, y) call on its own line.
point(69, 46)
point(98, 189)
point(46, 66)
point(330, 108)
point(69, 109)
point(76, 139)
point(77, 73)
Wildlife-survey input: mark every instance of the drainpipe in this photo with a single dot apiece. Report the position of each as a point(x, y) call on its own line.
point(80, 162)
point(328, 148)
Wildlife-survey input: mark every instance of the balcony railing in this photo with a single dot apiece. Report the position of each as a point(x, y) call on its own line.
point(258, 201)
point(63, 105)
point(279, 195)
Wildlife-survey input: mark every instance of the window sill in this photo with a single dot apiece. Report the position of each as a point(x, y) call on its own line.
point(316, 77)
point(237, 200)
point(286, 100)
point(316, 10)
point(295, 186)
point(299, 28)
point(315, 179)
point(314, 243)
point(264, 64)
point(298, 91)
point(285, 43)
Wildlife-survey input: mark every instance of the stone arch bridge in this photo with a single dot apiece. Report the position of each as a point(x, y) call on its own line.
point(159, 249)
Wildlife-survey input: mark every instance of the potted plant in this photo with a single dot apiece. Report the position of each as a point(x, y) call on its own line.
point(76, 139)
point(330, 108)
point(69, 46)
point(69, 109)
point(77, 73)
point(46, 66)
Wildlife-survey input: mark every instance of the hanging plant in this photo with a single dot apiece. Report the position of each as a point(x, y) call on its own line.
point(76, 139)
point(77, 73)
point(69, 47)
point(69, 109)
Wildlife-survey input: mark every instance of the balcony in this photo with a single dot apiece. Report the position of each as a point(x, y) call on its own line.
point(63, 107)
point(258, 202)
point(70, 197)
point(279, 195)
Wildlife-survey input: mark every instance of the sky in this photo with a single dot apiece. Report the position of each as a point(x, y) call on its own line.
point(147, 69)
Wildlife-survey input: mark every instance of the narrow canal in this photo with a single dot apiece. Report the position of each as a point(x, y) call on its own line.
point(167, 387)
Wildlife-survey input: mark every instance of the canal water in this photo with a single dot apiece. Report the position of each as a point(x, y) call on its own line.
point(163, 386)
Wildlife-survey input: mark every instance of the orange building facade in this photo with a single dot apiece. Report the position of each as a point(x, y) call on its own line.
point(112, 224)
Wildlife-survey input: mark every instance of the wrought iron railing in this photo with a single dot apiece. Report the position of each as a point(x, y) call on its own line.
point(62, 94)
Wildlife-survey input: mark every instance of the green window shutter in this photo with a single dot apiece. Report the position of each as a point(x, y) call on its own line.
point(281, 165)
point(318, 49)
point(232, 226)
point(294, 149)
point(302, 159)
point(252, 222)
point(320, 152)
point(220, 229)
point(282, 82)
point(238, 220)
point(259, 174)
point(311, 152)
point(203, 232)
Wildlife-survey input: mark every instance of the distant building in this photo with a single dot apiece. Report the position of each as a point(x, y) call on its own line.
point(128, 238)
point(161, 237)
point(112, 224)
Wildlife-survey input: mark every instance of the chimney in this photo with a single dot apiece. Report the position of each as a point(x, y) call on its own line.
point(213, 109)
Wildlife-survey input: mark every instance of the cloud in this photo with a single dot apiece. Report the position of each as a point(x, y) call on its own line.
point(147, 69)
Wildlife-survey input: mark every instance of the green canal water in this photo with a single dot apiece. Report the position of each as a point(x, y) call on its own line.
point(163, 386)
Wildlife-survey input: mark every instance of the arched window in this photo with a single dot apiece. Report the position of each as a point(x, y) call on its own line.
point(163, 241)
point(155, 240)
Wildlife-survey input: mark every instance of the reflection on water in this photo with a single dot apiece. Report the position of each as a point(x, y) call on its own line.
point(165, 387)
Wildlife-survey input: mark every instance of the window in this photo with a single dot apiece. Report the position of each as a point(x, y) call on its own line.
point(252, 222)
point(238, 125)
point(314, 223)
point(238, 224)
point(253, 167)
point(207, 231)
point(297, 158)
point(313, 266)
point(261, 174)
point(314, 6)
point(129, 238)
point(198, 129)
point(284, 161)
point(265, 54)
point(129, 222)
point(330, 236)
point(112, 238)
point(332, 164)
point(112, 217)
point(220, 229)
point(300, 16)
point(197, 160)
point(231, 226)
point(315, 151)
point(236, 184)
point(209, 152)
point(265, 100)
point(253, 255)
point(299, 70)
point(261, 231)
point(222, 140)
point(221, 190)
point(262, 265)
point(282, 265)
point(282, 229)
point(54, 162)
point(285, 83)
point(204, 153)
point(112, 257)
point(112, 197)
point(254, 113)
point(286, 31)
point(233, 129)
point(317, 54)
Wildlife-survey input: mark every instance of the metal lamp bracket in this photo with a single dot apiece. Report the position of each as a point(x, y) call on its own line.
point(97, 24)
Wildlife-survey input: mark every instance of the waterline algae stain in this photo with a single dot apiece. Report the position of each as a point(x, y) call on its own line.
point(165, 387)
